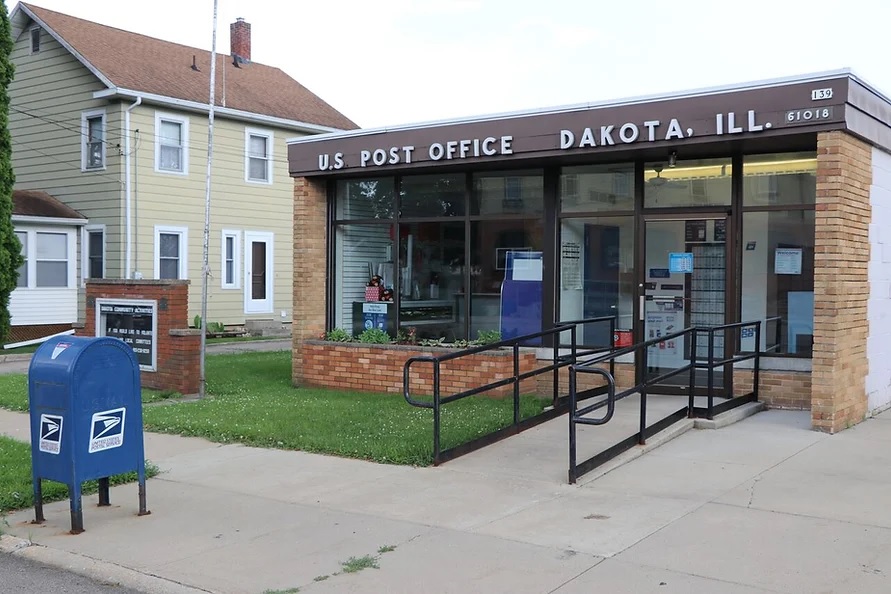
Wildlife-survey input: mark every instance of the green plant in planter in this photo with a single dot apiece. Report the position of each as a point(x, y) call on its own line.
point(216, 327)
point(432, 342)
point(196, 323)
point(338, 335)
point(488, 337)
point(374, 336)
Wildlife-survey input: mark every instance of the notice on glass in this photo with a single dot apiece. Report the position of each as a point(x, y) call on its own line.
point(787, 261)
point(571, 269)
point(527, 269)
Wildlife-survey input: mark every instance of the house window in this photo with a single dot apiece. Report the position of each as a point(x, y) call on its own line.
point(258, 156)
point(230, 250)
point(35, 40)
point(93, 147)
point(171, 145)
point(171, 248)
point(22, 280)
point(51, 259)
point(95, 253)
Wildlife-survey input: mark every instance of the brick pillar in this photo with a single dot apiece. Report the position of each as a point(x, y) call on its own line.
point(310, 267)
point(841, 284)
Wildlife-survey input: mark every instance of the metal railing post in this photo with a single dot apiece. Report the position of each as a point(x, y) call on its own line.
point(691, 400)
point(711, 372)
point(642, 439)
point(436, 413)
point(756, 373)
point(612, 346)
point(572, 437)
point(516, 384)
point(555, 362)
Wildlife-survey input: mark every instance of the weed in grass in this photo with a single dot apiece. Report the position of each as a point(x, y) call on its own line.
point(288, 591)
point(320, 578)
point(356, 564)
point(386, 549)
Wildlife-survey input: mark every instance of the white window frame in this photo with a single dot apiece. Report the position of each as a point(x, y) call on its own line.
point(85, 250)
point(236, 259)
point(26, 252)
point(31, 262)
point(161, 116)
point(183, 233)
point(31, 40)
point(85, 118)
point(270, 142)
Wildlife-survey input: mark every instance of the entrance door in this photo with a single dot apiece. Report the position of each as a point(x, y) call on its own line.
point(685, 284)
point(258, 272)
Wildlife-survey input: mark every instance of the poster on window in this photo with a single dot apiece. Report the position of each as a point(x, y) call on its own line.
point(787, 261)
point(571, 266)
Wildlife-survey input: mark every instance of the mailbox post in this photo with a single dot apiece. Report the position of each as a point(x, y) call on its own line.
point(85, 400)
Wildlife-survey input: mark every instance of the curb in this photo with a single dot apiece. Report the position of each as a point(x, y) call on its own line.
point(94, 569)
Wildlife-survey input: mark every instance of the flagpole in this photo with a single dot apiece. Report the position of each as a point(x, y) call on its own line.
point(205, 269)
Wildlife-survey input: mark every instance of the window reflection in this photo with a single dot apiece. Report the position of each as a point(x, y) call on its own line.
point(699, 182)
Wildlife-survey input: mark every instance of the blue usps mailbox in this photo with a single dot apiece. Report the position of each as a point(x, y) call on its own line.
point(86, 418)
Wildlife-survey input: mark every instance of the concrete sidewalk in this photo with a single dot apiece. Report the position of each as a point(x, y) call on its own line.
point(765, 505)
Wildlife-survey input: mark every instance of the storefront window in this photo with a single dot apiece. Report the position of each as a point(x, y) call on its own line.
point(366, 199)
point(361, 252)
point(433, 196)
point(597, 274)
point(783, 179)
point(597, 188)
point(431, 279)
point(702, 182)
point(778, 279)
point(520, 192)
point(490, 244)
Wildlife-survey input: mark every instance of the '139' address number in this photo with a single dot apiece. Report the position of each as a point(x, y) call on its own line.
point(803, 116)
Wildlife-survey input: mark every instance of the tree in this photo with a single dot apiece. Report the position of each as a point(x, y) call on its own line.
point(10, 248)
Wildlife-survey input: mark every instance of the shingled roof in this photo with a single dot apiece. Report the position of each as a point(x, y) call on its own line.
point(140, 63)
point(34, 203)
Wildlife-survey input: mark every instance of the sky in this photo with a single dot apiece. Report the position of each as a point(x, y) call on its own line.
point(388, 62)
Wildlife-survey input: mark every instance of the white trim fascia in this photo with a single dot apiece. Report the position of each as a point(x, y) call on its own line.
point(19, 7)
point(183, 249)
point(48, 220)
point(269, 135)
point(707, 91)
point(236, 114)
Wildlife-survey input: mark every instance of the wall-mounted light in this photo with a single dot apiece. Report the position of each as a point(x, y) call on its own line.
point(673, 159)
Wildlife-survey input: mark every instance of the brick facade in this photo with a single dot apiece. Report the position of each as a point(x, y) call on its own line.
point(841, 284)
point(789, 390)
point(178, 347)
point(378, 368)
point(310, 268)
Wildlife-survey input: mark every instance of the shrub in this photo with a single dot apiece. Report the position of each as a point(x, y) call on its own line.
point(196, 323)
point(374, 336)
point(338, 335)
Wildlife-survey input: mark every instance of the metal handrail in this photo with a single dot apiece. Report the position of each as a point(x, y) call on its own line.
point(514, 343)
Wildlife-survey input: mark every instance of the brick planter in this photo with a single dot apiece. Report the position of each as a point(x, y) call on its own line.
point(378, 368)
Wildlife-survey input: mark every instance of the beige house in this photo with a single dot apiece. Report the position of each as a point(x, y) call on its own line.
point(115, 125)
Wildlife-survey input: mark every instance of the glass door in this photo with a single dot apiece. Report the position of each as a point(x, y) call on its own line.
point(685, 284)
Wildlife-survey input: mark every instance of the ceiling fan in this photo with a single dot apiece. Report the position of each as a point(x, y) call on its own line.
point(659, 180)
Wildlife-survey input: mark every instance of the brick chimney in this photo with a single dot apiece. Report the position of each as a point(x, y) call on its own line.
point(240, 40)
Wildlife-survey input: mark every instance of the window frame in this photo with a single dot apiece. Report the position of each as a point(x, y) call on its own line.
point(270, 140)
point(34, 40)
point(236, 259)
point(85, 250)
point(161, 117)
point(85, 118)
point(25, 253)
point(30, 248)
point(183, 232)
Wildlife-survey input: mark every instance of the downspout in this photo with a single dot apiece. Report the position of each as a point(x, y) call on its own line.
point(127, 193)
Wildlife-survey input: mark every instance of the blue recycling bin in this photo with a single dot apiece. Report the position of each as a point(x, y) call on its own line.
point(85, 400)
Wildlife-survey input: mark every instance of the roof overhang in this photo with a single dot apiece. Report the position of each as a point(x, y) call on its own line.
point(55, 221)
point(787, 107)
point(198, 107)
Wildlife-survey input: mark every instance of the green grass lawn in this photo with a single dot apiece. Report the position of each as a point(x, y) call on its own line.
point(16, 490)
point(251, 401)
